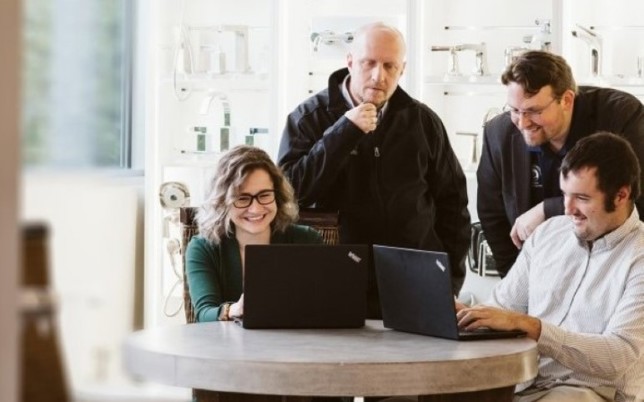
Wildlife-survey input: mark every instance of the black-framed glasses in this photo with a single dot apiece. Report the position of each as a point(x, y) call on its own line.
point(529, 114)
point(264, 197)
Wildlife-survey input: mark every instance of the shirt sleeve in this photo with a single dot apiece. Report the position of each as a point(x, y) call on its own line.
point(512, 292)
point(609, 354)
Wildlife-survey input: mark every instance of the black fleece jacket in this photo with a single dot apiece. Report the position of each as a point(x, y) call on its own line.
point(400, 185)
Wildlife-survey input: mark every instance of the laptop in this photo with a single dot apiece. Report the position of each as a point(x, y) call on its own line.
point(305, 286)
point(416, 294)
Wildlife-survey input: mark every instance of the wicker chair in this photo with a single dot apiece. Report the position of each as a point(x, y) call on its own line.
point(323, 221)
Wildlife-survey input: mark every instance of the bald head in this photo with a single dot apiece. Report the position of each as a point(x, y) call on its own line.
point(377, 32)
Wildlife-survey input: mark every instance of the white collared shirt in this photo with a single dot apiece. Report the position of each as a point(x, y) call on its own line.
point(590, 302)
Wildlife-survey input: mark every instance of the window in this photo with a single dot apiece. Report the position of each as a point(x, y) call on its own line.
point(76, 83)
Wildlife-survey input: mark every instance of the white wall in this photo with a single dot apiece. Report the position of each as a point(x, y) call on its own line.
point(10, 18)
point(96, 229)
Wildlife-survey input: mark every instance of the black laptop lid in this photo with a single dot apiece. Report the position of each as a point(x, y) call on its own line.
point(305, 286)
point(415, 291)
point(416, 295)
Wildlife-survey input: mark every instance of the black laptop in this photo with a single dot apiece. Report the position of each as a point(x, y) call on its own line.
point(416, 294)
point(305, 286)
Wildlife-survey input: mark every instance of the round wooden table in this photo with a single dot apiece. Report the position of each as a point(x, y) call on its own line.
point(369, 361)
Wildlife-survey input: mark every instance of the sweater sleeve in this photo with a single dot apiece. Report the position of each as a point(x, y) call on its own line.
point(206, 290)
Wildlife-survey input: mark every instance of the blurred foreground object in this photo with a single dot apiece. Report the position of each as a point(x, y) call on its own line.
point(42, 374)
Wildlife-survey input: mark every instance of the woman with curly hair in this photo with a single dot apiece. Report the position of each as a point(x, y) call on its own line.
point(249, 202)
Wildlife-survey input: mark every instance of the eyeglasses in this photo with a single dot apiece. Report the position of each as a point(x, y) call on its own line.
point(264, 197)
point(529, 114)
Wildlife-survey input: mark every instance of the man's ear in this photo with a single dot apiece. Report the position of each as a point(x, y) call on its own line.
point(349, 61)
point(623, 195)
point(568, 99)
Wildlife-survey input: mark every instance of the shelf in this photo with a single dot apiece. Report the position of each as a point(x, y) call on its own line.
point(616, 27)
point(221, 82)
point(462, 80)
point(489, 27)
point(613, 81)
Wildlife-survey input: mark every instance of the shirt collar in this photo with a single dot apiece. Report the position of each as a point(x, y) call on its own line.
point(612, 239)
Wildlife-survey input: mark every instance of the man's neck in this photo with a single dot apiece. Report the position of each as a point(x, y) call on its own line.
point(559, 141)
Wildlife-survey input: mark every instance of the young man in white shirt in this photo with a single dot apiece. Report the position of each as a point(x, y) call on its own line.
point(577, 287)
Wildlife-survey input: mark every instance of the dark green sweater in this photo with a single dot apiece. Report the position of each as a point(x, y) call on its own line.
point(214, 271)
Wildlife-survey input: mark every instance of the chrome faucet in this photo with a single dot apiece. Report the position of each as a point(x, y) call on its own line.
point(543, 39)
point(595, 43)
point(452, 64)
point(223, 98)
point(480, 51)
point(329, 37)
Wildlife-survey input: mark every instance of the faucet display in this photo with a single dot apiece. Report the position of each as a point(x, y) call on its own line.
point(207, 101)
point(594, 42)
point(543, 39)
point(452, 67)
point(476, 149)
point(206, 135)
point(329, 37)
point(480, 51)
point(511, 53)
point(474, 158)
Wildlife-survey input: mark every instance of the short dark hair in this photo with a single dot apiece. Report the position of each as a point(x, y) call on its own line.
point(615, 160)
point(536, 69)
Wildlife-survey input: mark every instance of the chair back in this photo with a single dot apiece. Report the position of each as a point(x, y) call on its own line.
point(188, 229)
point(325, 222)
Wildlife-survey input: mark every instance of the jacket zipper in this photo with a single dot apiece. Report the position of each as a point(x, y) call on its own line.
point(376, 183)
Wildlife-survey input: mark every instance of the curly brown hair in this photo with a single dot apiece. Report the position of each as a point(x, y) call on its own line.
point(234, 167)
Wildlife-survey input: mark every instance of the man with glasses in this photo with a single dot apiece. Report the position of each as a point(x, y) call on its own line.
point(545, 115)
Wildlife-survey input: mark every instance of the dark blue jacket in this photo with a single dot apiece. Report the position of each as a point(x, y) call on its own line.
point(504, 170)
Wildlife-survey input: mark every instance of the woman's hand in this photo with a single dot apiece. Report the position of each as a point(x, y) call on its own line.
point(237, 309)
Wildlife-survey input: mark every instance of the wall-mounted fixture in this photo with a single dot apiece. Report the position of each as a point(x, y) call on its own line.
point(511, 53)
point(240, 33)
point(594, 42)
point(480, 51)
point(543, 39)
point(213, 137)
point(218, 49)
point(328, 37)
